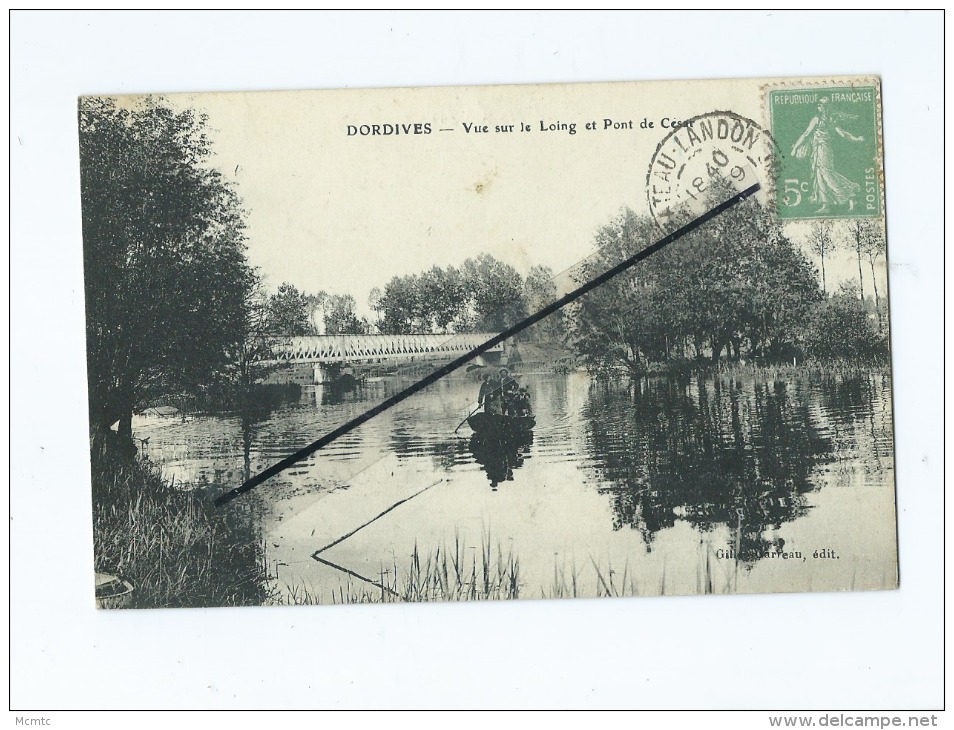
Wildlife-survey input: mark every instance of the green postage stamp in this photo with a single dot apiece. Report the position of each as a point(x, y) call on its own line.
point(827, 140)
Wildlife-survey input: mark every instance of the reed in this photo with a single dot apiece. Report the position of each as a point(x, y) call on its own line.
point(456, 573)
point(449, 572)
point(174, 547)
point(811, 370)
point(453, 573)
point(568, 582)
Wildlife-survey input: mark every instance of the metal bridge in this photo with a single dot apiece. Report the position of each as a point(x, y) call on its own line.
point(370, 349)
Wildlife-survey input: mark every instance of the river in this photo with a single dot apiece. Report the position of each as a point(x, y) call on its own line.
point(656, 486)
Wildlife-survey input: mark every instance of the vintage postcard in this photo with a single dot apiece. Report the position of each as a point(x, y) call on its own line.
point(611, 339)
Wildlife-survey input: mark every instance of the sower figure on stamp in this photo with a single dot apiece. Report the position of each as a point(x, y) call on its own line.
point(830, 187)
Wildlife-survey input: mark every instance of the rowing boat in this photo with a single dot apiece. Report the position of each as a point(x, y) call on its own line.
point(499, 425)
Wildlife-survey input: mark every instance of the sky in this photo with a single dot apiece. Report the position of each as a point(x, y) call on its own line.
point(332, 209)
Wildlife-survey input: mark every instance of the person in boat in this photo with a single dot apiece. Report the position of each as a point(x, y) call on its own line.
point(485, 389)
point(522, 403)
point(490, 396)
point(508, 390)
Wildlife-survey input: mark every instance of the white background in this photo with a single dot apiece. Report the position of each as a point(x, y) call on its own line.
point(820, 651)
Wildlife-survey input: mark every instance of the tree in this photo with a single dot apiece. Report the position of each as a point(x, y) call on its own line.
point(539, 291)
point(315, 309)
point(839, 328)
point(256, 343)
point(736, 284)
point(620, 324)
point(781, 284)
point(288, 311)
point(164, 254)
point(397, 306)
point(340, 316)
point(820, 243)
point(743, 282)
point(872, 244)
point(496, 292)
point(484, 294)
point(441, 300)
point(861, 231)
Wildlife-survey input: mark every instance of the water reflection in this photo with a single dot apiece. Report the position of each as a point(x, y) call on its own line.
point(252, 413)
point(725, 453)
point(338, 391)
point(741, 461)
point(499, 457)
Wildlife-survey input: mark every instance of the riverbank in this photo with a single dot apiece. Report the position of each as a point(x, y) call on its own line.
point(789, 371)
point(544, 356)
point(172, 545)
point(756, 370)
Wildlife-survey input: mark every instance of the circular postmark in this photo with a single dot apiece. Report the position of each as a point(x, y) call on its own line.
point(692, 157)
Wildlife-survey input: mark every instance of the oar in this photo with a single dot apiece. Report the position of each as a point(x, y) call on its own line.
point(468, 416)
point(495, 391)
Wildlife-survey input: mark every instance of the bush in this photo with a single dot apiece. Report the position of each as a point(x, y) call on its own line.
point(840, 328)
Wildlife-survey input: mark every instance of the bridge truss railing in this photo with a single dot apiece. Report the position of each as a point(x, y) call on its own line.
point(377, 348)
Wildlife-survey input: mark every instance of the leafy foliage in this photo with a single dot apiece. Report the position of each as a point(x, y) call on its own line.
point(484, 294)
point(539, 291)
point(340, 316)
point(287, 312)
point(736, 286)
point(840, 328)
point(167, 282)
point(495, 290)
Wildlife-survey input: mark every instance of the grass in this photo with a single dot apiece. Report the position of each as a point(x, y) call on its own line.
point(568, 582)
point(456, 573)
point(810, 369)
point(173, 546)
point(446, 573)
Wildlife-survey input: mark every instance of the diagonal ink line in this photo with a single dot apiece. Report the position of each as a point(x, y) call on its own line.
point(373, 519)
point(470, 404)
point(450, 367)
